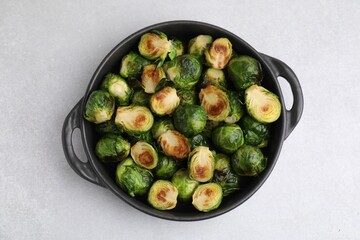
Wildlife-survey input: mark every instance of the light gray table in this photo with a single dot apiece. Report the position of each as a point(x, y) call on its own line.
point(49, 51)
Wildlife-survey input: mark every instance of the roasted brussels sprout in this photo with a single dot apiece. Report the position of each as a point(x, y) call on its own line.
point(163, 195)
point(248, 161)
point(134, 119)
point(132, 64)
point(237, 109)
point(166, 167)
point(108, 127)
point(161, 126)
point(199, 44)
point(188, 96)
point(176, 48)
point(140, 98)
point(144, 155)
point(133, 179)
point(174, 144)
point(216, 103)
point(165, 101)
point(224, 176)
point(228, 138)
point(207, 197)
point(262, 104)
point(201, 164)
point(118, 88)
point(151, 76)
point(184, 71)
point(213, 76)
point(185, 185)
point(255, 133)
point(112, 148)
point(190, 119)
point(199, 140)
point(210, 126)
point(99, 107)
point(219, 53)
point(154, 45)
point(244, 71)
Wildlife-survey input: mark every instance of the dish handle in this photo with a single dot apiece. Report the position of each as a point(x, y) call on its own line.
point(83, 169)
point(282, 70)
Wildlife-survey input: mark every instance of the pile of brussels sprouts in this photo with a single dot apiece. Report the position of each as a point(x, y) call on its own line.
point(183, 126)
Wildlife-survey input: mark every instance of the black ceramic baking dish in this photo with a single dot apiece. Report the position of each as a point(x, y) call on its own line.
point(103, 175)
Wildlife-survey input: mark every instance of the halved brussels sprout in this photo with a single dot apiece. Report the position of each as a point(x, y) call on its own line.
point(174, 144)
point(201, 164)
point(199, 44)
point(219, 54)
point(199, 140)
point(227, 138)
point(224, 176)
point(190, 119)
point(262, 104)
point(165, 101)
point(166, 167)
point(134, 119)
point(207, 197)
point(144, 155)
point(213, 76)
point(176, 48)
point(112, 148)
point(108, 127)
point(188, 96)
point(99, 107)
point(151, 76)
point(248, 161)
point(118, 88)
point(255, 133)
point(140, 98)
point(184, 71)
point(133, 179)
point(132, 64)
point(154, 45)
point(244, 71)
point(237, 109)
point(185, 185)
point(163, 195)
point(160, 126)
point(216, 103)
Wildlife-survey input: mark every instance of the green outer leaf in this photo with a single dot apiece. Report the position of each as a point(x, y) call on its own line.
point(140, 98)
point(190, 119)
point(111, 80)
point(237, 109)
point(224, 176)
point(248, 161)
point(99, 102)
point(227, 138)
point(161, 125)
point(199, 140)
point(132, 64)
point(133, 179)
point(255, 133)
point(188, 96)
point(244, 71)
point(184, 71)
point(112, 148)
point(185, 185)
point(166, 167)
